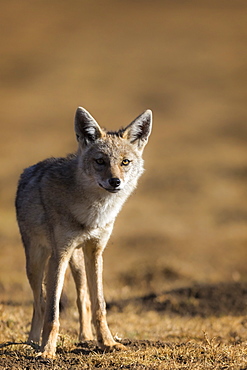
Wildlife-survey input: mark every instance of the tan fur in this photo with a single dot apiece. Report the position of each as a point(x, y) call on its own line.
point(66, 208)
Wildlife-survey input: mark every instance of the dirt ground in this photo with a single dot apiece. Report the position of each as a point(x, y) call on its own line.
point(175, 269)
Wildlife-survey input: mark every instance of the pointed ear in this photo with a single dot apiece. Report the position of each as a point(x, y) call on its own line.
point(139, 130)
point(87, 129)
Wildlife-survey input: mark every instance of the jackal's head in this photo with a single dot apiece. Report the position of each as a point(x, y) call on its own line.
point(111, 161)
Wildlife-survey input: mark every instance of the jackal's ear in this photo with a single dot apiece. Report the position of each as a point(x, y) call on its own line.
point(139, 130)
point(87, 129)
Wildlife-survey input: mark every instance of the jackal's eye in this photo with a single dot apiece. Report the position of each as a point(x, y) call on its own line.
point(125, 162)
point(100, 161)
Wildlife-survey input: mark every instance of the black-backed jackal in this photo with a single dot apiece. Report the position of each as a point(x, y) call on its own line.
point(66, 208)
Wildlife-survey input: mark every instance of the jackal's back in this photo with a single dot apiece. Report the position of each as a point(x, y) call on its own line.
point(40, 190)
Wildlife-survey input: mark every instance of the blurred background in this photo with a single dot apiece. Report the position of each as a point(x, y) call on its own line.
point(187, 61)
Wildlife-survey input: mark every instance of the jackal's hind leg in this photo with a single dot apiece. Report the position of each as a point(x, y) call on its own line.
point(36, 257)
point(77, 266)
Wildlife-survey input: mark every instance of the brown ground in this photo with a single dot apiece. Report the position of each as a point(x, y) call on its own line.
point(175, 268)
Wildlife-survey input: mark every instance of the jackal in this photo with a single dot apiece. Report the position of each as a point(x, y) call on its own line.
point(66, 208)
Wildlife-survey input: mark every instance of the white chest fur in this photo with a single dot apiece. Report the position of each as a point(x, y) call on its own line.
point(99, 213)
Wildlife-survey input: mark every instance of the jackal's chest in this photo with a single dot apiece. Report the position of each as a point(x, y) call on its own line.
point(98, 214)
point(100, 217)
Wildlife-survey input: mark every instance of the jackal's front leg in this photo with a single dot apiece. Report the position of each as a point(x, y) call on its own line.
point(94, 268)
point(55, 278)
point(77, 266)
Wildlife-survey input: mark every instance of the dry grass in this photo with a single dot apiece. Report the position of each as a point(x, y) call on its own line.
point(140, 355)
point(175, 268)
point(198, 327)
point(178, 343)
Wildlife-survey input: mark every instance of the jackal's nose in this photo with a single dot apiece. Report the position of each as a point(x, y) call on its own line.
point(114, 182)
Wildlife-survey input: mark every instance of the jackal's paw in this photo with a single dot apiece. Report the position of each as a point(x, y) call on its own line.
point(113, 347)
point(119, 347)
point(47, 355)
point(33, 344)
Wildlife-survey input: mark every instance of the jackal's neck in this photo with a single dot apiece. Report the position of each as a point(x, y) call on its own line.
point(96, 207)
point(97, 211)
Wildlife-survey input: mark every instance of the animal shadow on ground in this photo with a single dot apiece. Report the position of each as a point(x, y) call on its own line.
point(197, 300)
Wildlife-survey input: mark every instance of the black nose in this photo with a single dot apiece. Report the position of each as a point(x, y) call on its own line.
point(114, 182)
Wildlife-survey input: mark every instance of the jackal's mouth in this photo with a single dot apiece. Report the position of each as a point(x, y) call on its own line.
point(111, 190)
